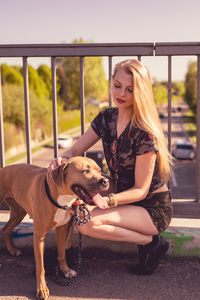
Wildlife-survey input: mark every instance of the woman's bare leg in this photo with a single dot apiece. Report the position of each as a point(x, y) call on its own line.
point(125, 223)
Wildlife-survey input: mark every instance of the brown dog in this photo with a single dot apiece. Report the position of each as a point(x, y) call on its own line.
point(30, 189)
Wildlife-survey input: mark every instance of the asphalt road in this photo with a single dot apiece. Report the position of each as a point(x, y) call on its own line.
point(105, 275)
point(184, 171)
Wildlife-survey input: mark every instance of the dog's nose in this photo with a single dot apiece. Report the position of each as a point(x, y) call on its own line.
point(104, 181)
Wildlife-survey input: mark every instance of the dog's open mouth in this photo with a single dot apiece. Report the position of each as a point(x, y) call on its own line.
point(83, 194)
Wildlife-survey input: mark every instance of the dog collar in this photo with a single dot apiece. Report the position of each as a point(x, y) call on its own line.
point(65, 207)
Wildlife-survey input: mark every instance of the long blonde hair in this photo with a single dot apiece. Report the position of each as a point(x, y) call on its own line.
point(144, 111)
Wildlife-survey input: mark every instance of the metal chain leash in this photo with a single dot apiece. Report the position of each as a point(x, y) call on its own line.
point(81, 216)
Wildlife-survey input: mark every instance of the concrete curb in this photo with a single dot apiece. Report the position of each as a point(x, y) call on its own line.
point(183, 236)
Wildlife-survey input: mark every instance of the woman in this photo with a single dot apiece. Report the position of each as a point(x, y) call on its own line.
point(138, 206)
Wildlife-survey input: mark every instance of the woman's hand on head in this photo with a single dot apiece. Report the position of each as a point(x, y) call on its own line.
point(56, 162)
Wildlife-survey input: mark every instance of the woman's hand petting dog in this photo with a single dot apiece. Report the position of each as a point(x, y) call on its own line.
point(56, 162)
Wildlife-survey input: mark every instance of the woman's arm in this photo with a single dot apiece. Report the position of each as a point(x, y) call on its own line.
point(144, 169)
point(88, 139)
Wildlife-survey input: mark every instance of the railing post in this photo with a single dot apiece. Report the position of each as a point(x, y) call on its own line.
point(54, 106)
point(169, 103)
point(110, 80)
point(82, 98)
point(198, 133)
point(27, 110)
point(2, 160)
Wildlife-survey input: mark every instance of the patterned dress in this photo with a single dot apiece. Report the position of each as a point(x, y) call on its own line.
point(120, 153)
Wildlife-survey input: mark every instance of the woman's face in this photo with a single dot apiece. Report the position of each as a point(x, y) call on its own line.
point(122, 89)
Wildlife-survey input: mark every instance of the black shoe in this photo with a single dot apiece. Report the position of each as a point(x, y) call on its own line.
point(156, 254)
point(149, 259)
point(143, 254)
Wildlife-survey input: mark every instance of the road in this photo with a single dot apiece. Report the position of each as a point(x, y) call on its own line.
point(184, 172)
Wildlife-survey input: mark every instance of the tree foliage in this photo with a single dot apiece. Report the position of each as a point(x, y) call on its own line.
point(45, 73)
point(95, 83)
point(11, 75)
point(36, 83)
point(191, 85)
point(64, 91)
point(39, 80)
point(13, 106)
point(160, 91)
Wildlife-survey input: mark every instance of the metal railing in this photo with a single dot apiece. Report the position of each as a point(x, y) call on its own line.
point(109, 50)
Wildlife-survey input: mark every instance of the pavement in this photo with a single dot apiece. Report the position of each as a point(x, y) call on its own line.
point(105, 267)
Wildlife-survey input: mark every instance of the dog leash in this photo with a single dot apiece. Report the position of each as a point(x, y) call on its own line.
point(81, 216)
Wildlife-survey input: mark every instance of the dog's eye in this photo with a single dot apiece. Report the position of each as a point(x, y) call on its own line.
point(86, 171)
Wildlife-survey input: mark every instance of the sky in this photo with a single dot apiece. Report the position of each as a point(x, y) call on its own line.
point(103, 21)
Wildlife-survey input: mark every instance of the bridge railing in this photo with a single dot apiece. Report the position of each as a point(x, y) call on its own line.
point(108, 50)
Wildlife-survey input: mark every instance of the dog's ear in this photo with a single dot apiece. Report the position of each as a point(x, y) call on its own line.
point(57, 174)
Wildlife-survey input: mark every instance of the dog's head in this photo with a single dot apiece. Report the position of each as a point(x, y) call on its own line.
point(82, 176)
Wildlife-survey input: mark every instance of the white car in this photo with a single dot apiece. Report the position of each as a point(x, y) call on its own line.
point(64, 141)
point(183, 150)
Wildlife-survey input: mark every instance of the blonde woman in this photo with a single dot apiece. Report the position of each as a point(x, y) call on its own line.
point(138, 206)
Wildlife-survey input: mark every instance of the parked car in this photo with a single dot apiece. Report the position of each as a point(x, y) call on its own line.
point(182, 149)
point(173, 109)
point(64, 141)
point(161, 115)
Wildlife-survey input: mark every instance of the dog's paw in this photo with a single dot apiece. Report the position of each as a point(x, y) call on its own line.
point(42, 292)
point(15, 252)
point(71, 273)
point(18, 253)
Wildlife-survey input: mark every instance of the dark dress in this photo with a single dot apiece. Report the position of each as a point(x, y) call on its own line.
point(120, 154)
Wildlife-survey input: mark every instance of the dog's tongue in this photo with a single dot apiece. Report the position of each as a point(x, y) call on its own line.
point(96, 197)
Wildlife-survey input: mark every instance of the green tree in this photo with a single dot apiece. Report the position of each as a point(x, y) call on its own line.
point(45, 73)
point(64, 91)
point(11, 75)
point(160, 93)
point(36, 83)
point(191, 85)
point(13, 106)
point(95, 81)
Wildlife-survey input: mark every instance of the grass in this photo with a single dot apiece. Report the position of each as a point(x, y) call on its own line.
point(190, 125)
point(20, 156)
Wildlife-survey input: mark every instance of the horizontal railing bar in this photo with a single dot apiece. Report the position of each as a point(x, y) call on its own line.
point(99, 49)
point(177, 49)
point(90, 49)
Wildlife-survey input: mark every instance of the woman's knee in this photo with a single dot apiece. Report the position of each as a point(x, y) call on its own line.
point(89, 227)
point(84, 229)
